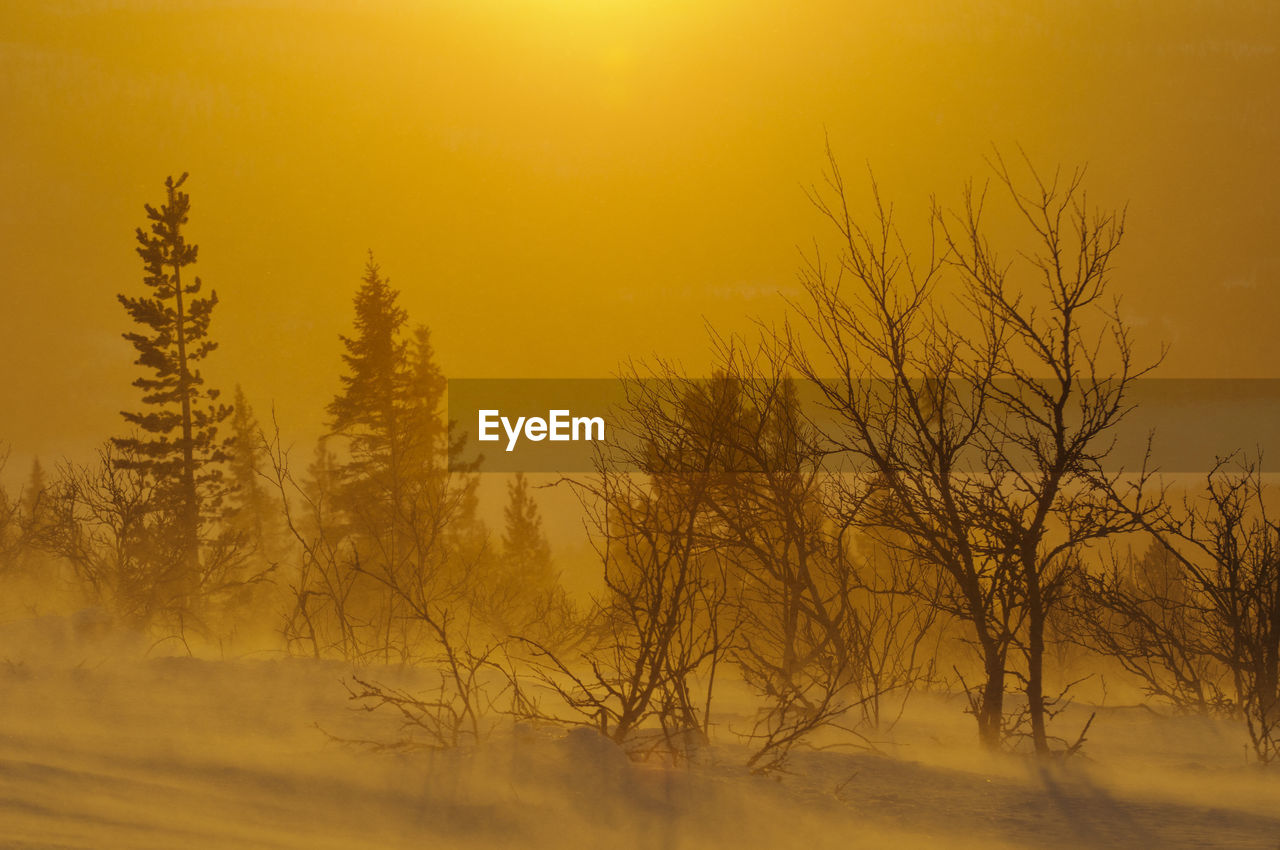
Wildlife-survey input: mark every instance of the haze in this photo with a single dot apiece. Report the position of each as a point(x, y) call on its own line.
point(585, 181)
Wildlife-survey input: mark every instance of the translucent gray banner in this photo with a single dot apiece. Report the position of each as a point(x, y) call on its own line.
point(564, 425)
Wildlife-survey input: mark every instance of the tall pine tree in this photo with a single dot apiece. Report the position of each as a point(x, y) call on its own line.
point(178, 442)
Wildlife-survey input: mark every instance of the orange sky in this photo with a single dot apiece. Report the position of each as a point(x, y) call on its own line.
point(559, 184)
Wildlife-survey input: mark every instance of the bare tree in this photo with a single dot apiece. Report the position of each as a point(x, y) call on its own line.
point(825, 632)
point(1197, 618)
point(645, 676)
point(362, 589)
point(462, 706)
point(976, 398)
point(379, 609)
point(105, 521)
point(1064, 368)
point(905, 397)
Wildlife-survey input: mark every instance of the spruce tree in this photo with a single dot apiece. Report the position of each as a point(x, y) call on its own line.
point(322, 474)
point(429, 445)
point(404, 525)
point(34, 505)
point(36, 514)
point(177, 441)
point(370, 411)
point(524, 545)
point(249, 512)
point(522, 594)
point(389, 412)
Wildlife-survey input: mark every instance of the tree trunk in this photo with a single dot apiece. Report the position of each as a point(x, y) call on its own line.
point(1035, 663)
point(190, 521)
point(991, 709)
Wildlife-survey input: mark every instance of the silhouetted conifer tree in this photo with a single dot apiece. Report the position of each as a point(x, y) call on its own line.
point(397, 529)
point(178, 442)
point(389, 411)
point(371, 410)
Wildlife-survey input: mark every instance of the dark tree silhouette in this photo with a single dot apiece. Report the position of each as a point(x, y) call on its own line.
point(178, 444)
point(645, 672)
point(370, 410)
point(387, 530)
point(825, 632)
point(978, 394)
point(1197, 619)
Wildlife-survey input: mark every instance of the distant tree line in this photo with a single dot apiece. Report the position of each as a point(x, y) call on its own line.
point(949, 521)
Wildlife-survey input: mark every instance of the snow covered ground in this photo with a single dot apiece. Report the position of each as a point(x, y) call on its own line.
point(102, 746)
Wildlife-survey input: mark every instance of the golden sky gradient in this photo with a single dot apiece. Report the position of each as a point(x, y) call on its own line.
point(556, 185)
